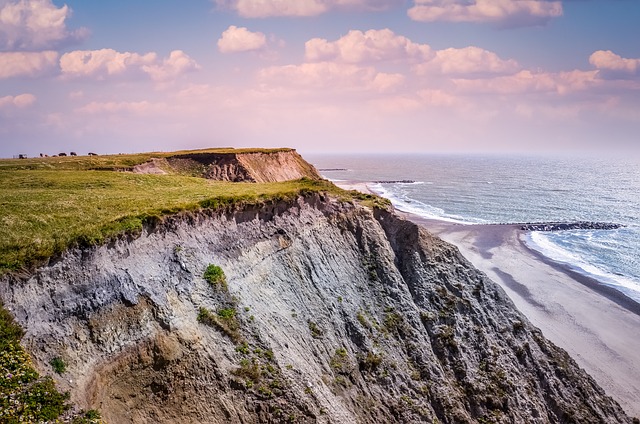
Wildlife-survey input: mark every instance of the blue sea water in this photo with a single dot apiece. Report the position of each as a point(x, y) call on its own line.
point(497, 189)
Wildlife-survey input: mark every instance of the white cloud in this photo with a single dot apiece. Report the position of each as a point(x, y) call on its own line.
point(369, 46)
point(236, 39)
point(20, 101)
point(108, 63)
point(467, 61)
point(614, 65)
point(270, 8)
point(35, 25)
point(27, 64)
point(500, 12)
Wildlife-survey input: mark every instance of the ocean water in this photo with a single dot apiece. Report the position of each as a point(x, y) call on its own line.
point(493, 189)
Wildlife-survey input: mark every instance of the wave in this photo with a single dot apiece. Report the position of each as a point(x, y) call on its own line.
point(406, 204)
point(540, 242)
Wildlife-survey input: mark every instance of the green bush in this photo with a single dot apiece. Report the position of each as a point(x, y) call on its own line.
point(215, 276)
point(90, 417)
point(224, 319)
point(24, 396)
point(58, 365)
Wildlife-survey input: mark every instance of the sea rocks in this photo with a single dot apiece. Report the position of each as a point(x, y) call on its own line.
point(561, 226)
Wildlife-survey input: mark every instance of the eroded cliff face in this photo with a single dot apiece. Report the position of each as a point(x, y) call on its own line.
point(253, 166)
point(346, 315)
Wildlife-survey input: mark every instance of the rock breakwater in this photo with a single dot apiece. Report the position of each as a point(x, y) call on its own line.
point(563, 226)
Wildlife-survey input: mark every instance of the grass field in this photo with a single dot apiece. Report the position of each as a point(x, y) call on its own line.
point(111, 162)
point(42, 213)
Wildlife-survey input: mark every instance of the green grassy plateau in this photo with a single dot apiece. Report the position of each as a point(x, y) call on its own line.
point(111, 162)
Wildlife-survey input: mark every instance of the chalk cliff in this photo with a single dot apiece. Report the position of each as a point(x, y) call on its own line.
point(332, 312)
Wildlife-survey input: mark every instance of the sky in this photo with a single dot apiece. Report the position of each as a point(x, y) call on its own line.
point(352, 76)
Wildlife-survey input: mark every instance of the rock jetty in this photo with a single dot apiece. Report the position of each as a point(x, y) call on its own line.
point(562, 226)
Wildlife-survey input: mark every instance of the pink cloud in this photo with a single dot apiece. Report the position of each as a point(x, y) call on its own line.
point(178, 63)
point(27, 64)
point(614, 65)
point(35, 25)
point(138, 108)
point(300, 8)
point(527, 81)
point(331, 76)
point(236, 39)
point(108, 63)
point(369, 46)
point(467, 61)
point(20, 101)
point(500, 12)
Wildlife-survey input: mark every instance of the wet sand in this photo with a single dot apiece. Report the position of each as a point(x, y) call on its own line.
point(596, 325)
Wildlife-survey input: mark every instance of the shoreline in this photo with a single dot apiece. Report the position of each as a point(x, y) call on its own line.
point(596, 324)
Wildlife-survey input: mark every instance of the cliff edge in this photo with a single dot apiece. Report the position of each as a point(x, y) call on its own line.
point(245, 165)
point(314, 310)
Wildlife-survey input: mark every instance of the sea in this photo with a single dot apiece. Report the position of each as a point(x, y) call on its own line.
point(483, 189)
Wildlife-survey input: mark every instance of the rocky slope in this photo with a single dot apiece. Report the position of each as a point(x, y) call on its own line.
point(331, 313)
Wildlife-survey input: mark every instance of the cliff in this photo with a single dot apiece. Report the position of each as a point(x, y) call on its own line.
point(331, 312)
point(250, 165)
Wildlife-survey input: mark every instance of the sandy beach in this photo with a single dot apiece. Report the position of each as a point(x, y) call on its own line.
point(598, 327)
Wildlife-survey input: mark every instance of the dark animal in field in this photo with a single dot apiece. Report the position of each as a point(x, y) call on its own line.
point(73, 154)
point(93, 154)
point(22, 156)
point(62, 154)
point(41, 155)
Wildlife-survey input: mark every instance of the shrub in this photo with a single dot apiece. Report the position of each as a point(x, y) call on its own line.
point(224, 320)
point(316, 332)
point(90, 417)
point(58, 365)
point(370, 362)
point(215, 276)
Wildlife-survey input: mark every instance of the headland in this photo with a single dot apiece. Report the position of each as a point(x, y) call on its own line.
point(596, 324)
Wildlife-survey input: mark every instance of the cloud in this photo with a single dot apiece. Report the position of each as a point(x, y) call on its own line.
point(467, 61)
point(108, 63)
point(369, 46)
point(20, 101)
point(27, 64)
point(176, 64)
point(138, 108)
point(527, 81)
point(331, 76)
point(300, 8)
point(375, 46)
point(35, 25)
point(614, 66)
point(505, 13)
point(236, 39)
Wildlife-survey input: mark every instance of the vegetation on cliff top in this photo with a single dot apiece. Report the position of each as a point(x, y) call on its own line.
point(43, 213)
point(113, 162)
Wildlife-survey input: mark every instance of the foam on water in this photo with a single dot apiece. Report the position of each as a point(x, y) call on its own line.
point(543, 243)
point(416, 207)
